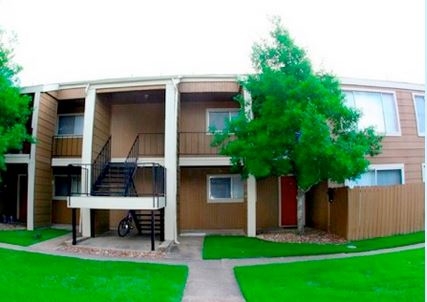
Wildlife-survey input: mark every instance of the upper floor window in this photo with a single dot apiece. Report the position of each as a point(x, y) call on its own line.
point(70, 124)
point(378, 110)
point(420, 106)
point(217, 119)
point(225, 188)
point(380, 175)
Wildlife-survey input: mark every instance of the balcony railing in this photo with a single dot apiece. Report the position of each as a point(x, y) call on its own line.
point(151, 144)
point(196, 144)
point(67, 146)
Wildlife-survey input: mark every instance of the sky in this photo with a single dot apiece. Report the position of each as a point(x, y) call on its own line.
point(63, 41)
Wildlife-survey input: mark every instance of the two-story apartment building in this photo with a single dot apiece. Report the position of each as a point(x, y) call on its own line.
point(143, 144)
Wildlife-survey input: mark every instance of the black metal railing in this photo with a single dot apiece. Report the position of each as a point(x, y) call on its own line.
point(101, 162)
point(158, 181)
point(131, 164)
point(196, 143)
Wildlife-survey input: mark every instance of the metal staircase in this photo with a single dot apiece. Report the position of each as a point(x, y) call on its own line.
point(115, 180)
point(144, 218)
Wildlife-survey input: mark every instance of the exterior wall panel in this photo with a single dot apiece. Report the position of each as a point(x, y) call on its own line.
point(43, 171)
point(267, 205)
point(194, 210)
point(101, 128)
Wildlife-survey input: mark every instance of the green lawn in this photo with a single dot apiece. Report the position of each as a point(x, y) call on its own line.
point(218, 247)
point(36, 277)
point(387, 277)
point(26, 238)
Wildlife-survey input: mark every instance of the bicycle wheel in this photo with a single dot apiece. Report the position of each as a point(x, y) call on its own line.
point(124, 227)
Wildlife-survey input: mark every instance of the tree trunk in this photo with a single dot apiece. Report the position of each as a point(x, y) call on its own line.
point(301, 210)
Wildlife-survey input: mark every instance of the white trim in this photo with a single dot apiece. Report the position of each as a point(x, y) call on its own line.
point(141, 160)
point(65, 161)
point(17, 158)
point(209, 110)
point(170, 154)
point(381, 91)
point(116, 202)
point(223, 200)
point(423, 172)
point(416, 112)
point(378, 83)
point(251, 206)
point(379, 167)
point(204, 161)
point(89, 115)
point(32, 163)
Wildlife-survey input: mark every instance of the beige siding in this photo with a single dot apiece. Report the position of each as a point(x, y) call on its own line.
point(61, 214)
point(101, 127)
point(195, 213)
point(267, 206)
point(43, 172)
point(408, 148)
point(209, 87)
point(128, 120)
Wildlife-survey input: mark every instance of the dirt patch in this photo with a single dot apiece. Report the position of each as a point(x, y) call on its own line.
point(113, 253)
point(309, 236)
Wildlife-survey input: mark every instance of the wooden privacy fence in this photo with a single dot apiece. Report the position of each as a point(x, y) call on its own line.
point(368, 212)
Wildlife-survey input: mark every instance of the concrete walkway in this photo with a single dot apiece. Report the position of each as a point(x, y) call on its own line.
point(208, 280)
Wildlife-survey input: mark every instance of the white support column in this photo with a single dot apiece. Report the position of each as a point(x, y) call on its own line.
point(251, 199)
point(87, 156)
point(171, 133)
point(32, 164)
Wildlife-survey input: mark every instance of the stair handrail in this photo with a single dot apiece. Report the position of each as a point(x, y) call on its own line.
point(101, 161)
point(131, 164)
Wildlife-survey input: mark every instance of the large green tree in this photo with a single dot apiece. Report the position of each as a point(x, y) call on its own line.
point(14, 107)
point(296, 122)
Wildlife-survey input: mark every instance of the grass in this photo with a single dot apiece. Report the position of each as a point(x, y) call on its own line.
point(37, 277)
point(387, 277)
point(27, 238)
point(218, 247)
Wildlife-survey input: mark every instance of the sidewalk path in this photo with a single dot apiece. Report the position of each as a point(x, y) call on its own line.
point(208, 280)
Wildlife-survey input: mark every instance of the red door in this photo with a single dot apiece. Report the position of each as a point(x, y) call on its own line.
point(288, 201)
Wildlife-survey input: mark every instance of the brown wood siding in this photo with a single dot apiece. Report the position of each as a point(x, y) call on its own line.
point(128, 120)
point(407, 149)
point(101, 126)
point(193, 139)
point(218, 86)
point(102, 221)
point(267, 206)
point(67, 146)
point(69, 94)
point(195, 213)
point(43, 171)
point(61, 214)
point(383, 211)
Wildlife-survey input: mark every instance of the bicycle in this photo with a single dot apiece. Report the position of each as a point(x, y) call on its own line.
point(125, 225)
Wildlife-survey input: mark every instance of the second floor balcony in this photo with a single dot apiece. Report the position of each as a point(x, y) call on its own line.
point(67, 146)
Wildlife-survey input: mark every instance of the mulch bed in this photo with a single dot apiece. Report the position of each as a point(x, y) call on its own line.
point(310, 236)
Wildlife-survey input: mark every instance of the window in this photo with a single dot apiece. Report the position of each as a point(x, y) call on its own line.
point(420, 106)
point(225, 188)
point(70, 124)
point(379, 175)
point(218, 118)
point(378, 110)
point(61, 185)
